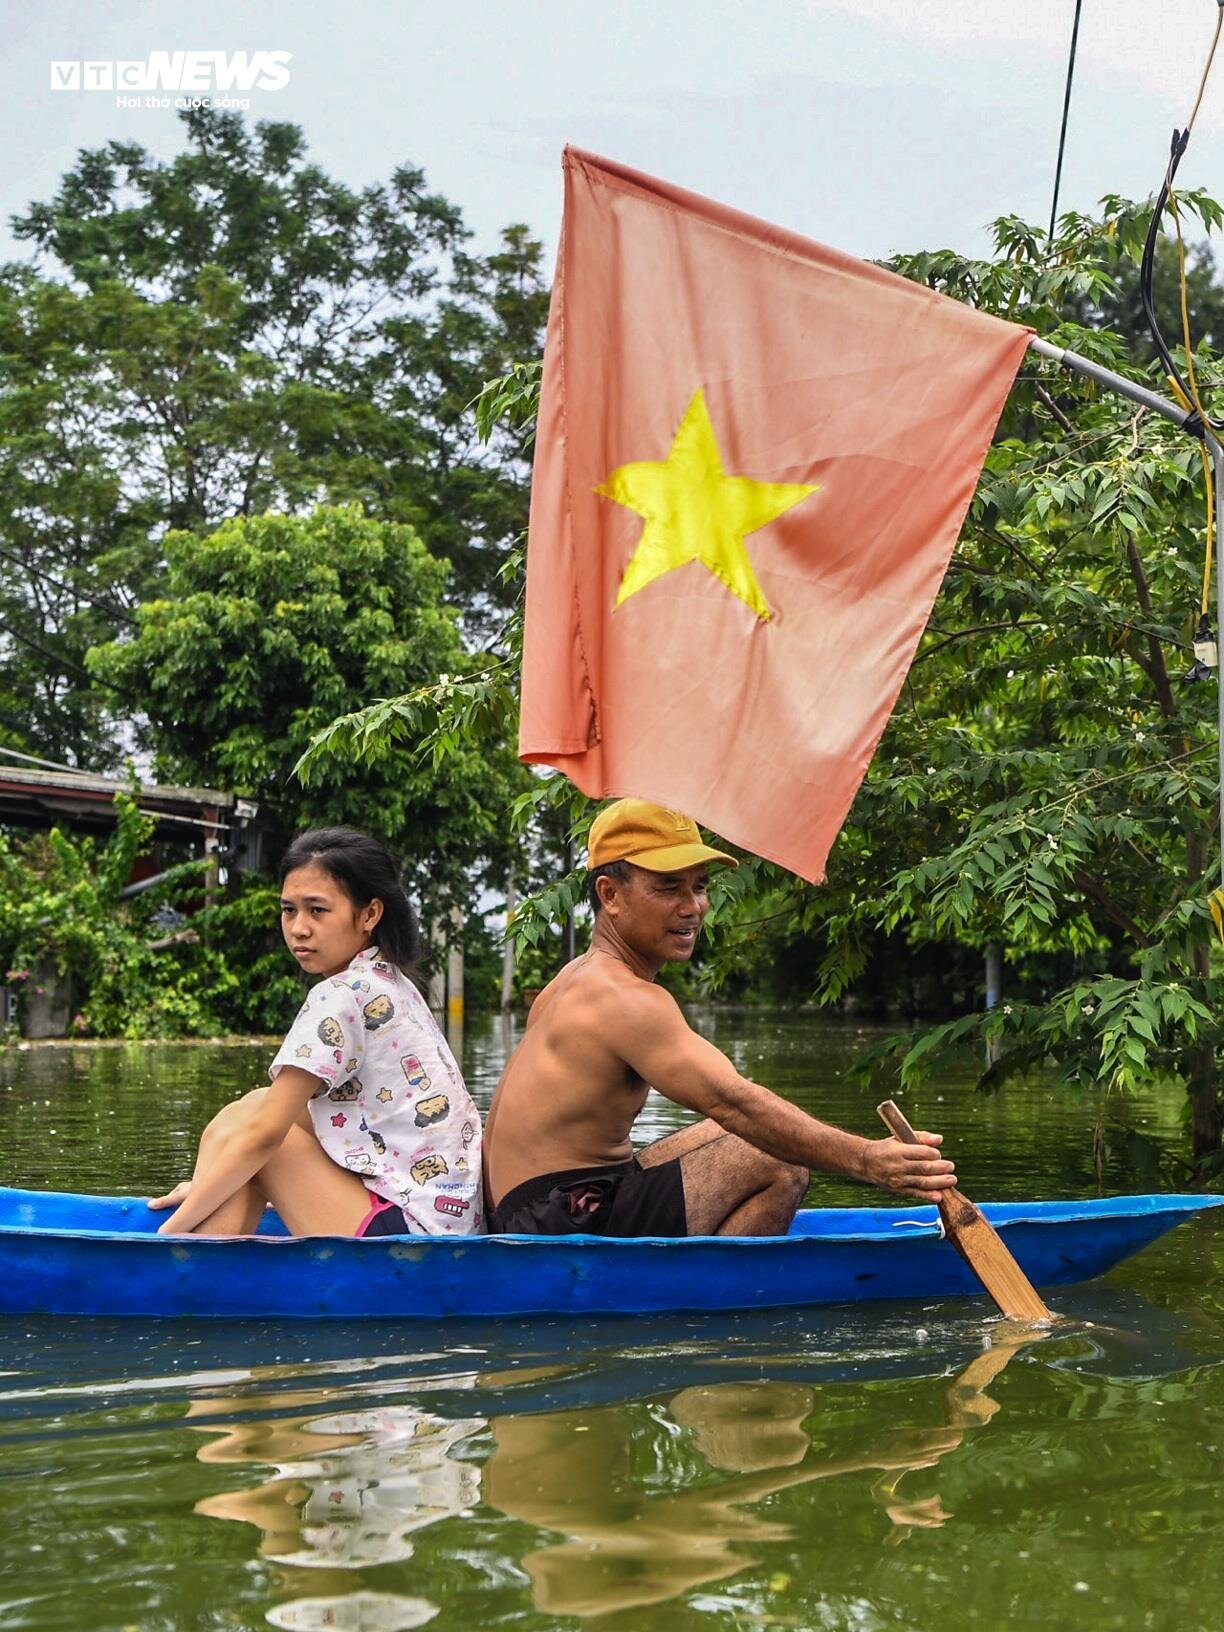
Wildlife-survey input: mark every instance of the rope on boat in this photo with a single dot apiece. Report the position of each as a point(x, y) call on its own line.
point(919, 1224)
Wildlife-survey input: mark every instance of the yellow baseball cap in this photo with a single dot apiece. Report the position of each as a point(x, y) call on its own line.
point(662, 841)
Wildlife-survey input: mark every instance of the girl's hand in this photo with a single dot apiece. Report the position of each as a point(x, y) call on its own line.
point(173, 1198)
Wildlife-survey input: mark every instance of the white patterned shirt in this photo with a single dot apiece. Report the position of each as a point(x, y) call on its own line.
point(392, 1107)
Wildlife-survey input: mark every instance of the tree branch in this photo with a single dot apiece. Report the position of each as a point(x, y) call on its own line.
point(1044, 396)
point(977, 629)
point(1155, 667)
point(1110, 909)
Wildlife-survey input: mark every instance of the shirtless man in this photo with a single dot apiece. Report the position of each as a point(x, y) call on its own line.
point(558, 1159)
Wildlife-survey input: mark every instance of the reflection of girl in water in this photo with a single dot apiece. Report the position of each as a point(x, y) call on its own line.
point(362, 1130)
point(351, 1488)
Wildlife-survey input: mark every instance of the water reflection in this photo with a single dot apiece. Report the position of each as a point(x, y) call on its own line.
point(966, 1405)
point(773, 1457)
point(653, 1497)
point(350, 1487)
point(354, 1612)
point(643, 1521)
point(655, 1501)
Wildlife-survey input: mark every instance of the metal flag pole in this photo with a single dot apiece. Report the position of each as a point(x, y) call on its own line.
point(1184, 418)
point(1188, 420)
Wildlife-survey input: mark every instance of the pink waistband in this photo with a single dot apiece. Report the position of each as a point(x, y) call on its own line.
point(379, 1204)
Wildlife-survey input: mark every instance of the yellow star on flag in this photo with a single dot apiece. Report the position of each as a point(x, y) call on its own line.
point(694, 512)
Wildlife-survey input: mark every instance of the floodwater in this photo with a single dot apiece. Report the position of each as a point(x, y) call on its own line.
point(915, 1467)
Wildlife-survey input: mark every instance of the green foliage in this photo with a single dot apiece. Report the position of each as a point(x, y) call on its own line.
point(474, 710)
point(511, 401)
point(221, 333)
point(240, 962)
point(60, 906)
point(539, 913)
point(265, 630)
point(58, 895)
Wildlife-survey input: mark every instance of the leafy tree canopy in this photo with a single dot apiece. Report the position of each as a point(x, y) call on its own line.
point(268, 627)
point(227, 332)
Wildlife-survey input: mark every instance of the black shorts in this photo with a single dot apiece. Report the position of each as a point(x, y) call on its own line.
point(383, 1218)
point(625, 1199)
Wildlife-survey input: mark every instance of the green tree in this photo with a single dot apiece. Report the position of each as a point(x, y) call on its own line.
point(1119, 309)
point(266, 629)
point(62, 914)
point(222, 333)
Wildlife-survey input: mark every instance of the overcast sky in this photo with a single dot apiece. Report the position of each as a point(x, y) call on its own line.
point(872, 125)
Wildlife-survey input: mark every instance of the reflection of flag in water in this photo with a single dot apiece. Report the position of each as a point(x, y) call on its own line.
point(754, 456)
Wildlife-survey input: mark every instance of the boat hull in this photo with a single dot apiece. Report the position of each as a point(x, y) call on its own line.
point(98, 1255)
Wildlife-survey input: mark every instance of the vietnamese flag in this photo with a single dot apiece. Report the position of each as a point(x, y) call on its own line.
point(753, 459)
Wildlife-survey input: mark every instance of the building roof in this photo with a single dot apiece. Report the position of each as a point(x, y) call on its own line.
point(32, 797)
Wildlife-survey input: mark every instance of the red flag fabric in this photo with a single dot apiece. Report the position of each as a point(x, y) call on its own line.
point(753, 458)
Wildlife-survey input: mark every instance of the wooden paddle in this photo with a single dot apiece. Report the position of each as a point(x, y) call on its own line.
point(978, 1244)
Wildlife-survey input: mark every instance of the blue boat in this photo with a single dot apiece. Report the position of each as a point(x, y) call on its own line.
point(63, 1254)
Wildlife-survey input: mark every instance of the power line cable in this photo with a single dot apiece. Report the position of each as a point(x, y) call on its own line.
point(1062, 135)
point(1187, 394)
point(1186, 390)
point(47, 764)
point(68, 589)
point(64, 661)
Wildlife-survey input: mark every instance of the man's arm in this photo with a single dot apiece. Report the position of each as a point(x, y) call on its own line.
point(657, 1042)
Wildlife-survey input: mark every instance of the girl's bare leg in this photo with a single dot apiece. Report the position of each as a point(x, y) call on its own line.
point(312, 1194)
point(240, 1213)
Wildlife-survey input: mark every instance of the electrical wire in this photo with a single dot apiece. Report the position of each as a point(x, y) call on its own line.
point(1191, 401)
point(1185, 390)
point(1177, 148)
point(1062, 135)
point(68, 589)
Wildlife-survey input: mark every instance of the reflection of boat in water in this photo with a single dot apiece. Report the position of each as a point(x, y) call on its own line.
point(350, 1489)
point(631, 1541)
point(65, 1254)
point(650, 1500)
point(725, 1443)
point(555, 1364)
point(353, 1612)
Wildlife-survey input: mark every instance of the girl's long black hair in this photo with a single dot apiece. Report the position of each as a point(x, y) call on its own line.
point(365, 870)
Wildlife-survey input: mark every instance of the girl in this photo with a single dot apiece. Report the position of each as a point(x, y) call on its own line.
point(367, 1128)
